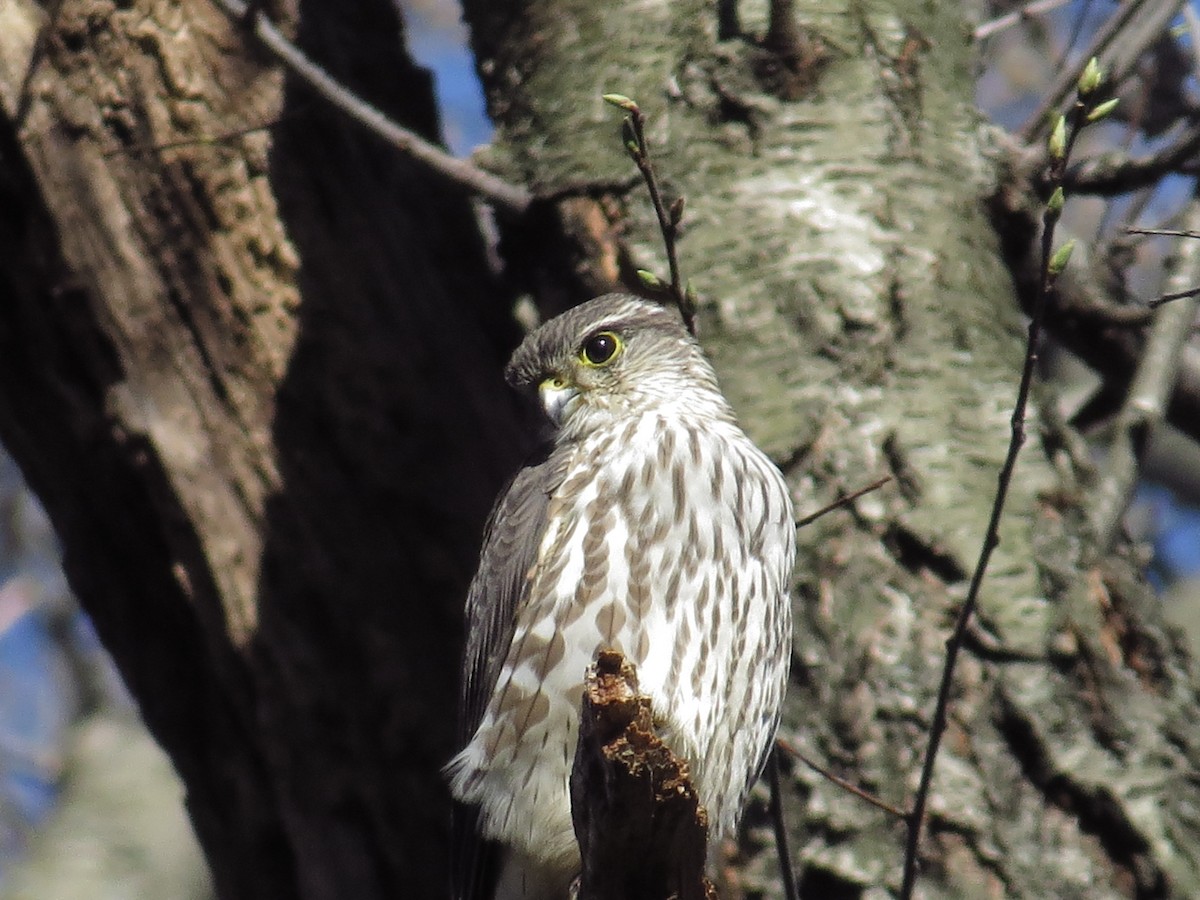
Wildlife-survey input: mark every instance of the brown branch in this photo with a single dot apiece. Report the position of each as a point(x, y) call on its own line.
point(458, 172)
point(1172, 296)
point(779, 824)
point(1164, 232)
point(1081, 315)
point(642, 832)
point(1051, 264)
point(1116, 173)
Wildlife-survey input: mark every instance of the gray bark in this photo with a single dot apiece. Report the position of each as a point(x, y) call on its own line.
point(855, 303)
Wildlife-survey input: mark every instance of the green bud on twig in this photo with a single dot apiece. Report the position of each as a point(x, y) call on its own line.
point(650, 280)
point(1058, 139)
point(1103, 110)
point(620, 101)
point(1061, 256)
point(1055, 204)
point(1090, 78)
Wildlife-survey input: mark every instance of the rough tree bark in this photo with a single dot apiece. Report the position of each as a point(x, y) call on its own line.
point(253, 374)
point(248, 360)
point(862, 322)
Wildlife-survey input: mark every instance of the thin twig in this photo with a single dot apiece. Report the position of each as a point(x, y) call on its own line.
point(854, 789)
point(1149, 391)
point(1175, 295)
point(1081, 317)
point(1164, 232)
point(459, 172)
point(842, 501)
point(668, 220)
point(781, 836)
point(1148, 17)
point(1024, 14)
point(1051, 264)
point(224, 137)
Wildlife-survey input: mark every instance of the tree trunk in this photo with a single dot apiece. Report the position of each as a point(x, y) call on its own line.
point(249, 360)
point(853, 299)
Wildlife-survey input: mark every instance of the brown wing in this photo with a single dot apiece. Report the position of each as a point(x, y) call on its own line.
point(510, 544)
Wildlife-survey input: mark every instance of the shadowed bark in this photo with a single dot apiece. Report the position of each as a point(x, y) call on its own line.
point(249, 360)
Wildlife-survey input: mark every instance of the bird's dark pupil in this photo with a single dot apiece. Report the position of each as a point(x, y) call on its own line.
point(600, 349)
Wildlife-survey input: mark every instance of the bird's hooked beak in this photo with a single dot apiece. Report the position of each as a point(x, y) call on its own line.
point(556, 396)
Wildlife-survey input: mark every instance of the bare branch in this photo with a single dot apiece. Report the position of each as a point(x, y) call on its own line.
point(459, 172)
point(1164, 232)
point(1024, 14)
point(842, 501)
point(1146, 401)
point(786, 872)
point(792, 750)
point(1172, 296)
point(1116, 173)
point(1082, 313)
point(668, 220)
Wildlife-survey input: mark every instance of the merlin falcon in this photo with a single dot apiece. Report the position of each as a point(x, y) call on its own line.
point(649, 524)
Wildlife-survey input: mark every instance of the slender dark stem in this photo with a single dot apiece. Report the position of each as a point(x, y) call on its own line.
point(852, 788)
point(781, 838)
point(1175, 295)
point(668, 221)
point(1104, 38)
point(916, 817)
point(842, 501)
point(1164, 232)
point(222, 138)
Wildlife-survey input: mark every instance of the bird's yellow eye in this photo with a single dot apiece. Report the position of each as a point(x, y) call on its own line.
point(600, 349)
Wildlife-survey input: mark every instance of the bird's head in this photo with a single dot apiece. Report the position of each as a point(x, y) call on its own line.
point(612, 357)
